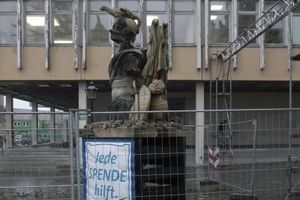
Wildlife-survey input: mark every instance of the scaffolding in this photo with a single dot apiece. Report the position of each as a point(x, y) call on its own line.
point(269, 18)
point(221, 84)
point(221, 99)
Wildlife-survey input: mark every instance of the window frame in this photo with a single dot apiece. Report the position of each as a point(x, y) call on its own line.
point(284, 28)
point(53, 13)
point(295, 14)
point(151, 12)
point(247, 13)
point(94, 12)
point(184, 13)
point(230, 24)
point(32, 13)
point(10, 13)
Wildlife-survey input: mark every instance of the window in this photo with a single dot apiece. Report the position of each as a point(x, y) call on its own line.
point(8, 22)
point(275, 34)
point(219, 21)
point(34, 21)
point(296, 26)
point(156, 9)
point(62, 21)
point(184, 21)
point(246, 14)
point(99, 22)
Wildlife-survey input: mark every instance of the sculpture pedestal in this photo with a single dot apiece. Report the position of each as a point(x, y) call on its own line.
point(159, 160)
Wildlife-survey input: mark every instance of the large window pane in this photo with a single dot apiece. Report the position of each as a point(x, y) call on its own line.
point(296, 29)
point(62, 29)
point(8, 22)
point(188, 5)
point(244, 21)
point(8, 29)
point(153, 5)
point(275, 34)
point(219, 6)
point(184, 29)
point(219, 29)
point(34, 5)
point(62, 5)
point(34, 29)
point(162, 18)
point(8, 6)
point(99, 24)
point(247, 5)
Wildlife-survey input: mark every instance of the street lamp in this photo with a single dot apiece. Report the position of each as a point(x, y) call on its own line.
point(91, 93)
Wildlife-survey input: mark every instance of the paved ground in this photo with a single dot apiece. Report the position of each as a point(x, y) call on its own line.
point(35, 173)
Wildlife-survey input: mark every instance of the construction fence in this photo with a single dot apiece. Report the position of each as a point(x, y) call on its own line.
point(213, 155)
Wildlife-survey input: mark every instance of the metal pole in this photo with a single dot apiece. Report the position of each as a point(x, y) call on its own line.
point(262, 41)
point(71, 155)
point(289, 35)
point(114, 4)
point(253, 157)
point(143, 31)
point(77, 156)
point(19, 34)
point(92, 110)
point(75, 34)
point(206, 20)
point(47, 34)
point(198, 37)
point(170, 36)
point(84, 35)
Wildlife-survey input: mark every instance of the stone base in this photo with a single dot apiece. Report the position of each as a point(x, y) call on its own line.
point(129, 129)
point(159, 153)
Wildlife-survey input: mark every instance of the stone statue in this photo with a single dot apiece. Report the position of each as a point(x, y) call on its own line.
point(138, 78)
point(127, 64)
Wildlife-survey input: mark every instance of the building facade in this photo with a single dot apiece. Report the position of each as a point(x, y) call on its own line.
point(51, 49)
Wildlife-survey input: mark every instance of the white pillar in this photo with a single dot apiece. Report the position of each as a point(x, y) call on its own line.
point(199, 123)
point(82, 102)
point(206, 32)
point(52, 125)
point(199, 35)
point(34, 123)
point(9, 120)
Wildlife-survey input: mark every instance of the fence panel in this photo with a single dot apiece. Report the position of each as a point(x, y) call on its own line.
point(225, 154)
point(35, 161)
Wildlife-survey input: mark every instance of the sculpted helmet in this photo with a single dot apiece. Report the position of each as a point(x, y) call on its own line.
point(126, 25)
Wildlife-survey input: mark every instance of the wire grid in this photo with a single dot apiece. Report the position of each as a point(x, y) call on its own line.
point(166, 163)
point(34, 171)
point(254, 153)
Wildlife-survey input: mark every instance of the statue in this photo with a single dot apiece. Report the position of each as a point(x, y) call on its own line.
point(127, 64)
point(138, 77)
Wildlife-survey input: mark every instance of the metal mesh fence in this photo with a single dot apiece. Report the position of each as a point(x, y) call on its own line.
point(34, 163)
point(236, 154)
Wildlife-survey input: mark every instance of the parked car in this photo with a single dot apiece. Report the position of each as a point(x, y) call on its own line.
point(26, 140)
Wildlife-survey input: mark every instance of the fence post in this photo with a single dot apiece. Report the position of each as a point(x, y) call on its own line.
point(253, 157)
point(52, 125)
point(76, 125)
point(71, 123)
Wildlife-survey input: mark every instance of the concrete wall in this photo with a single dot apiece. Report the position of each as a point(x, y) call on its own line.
point(98, 58)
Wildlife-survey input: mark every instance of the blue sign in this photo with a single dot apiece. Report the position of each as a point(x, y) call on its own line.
point(108, 166)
